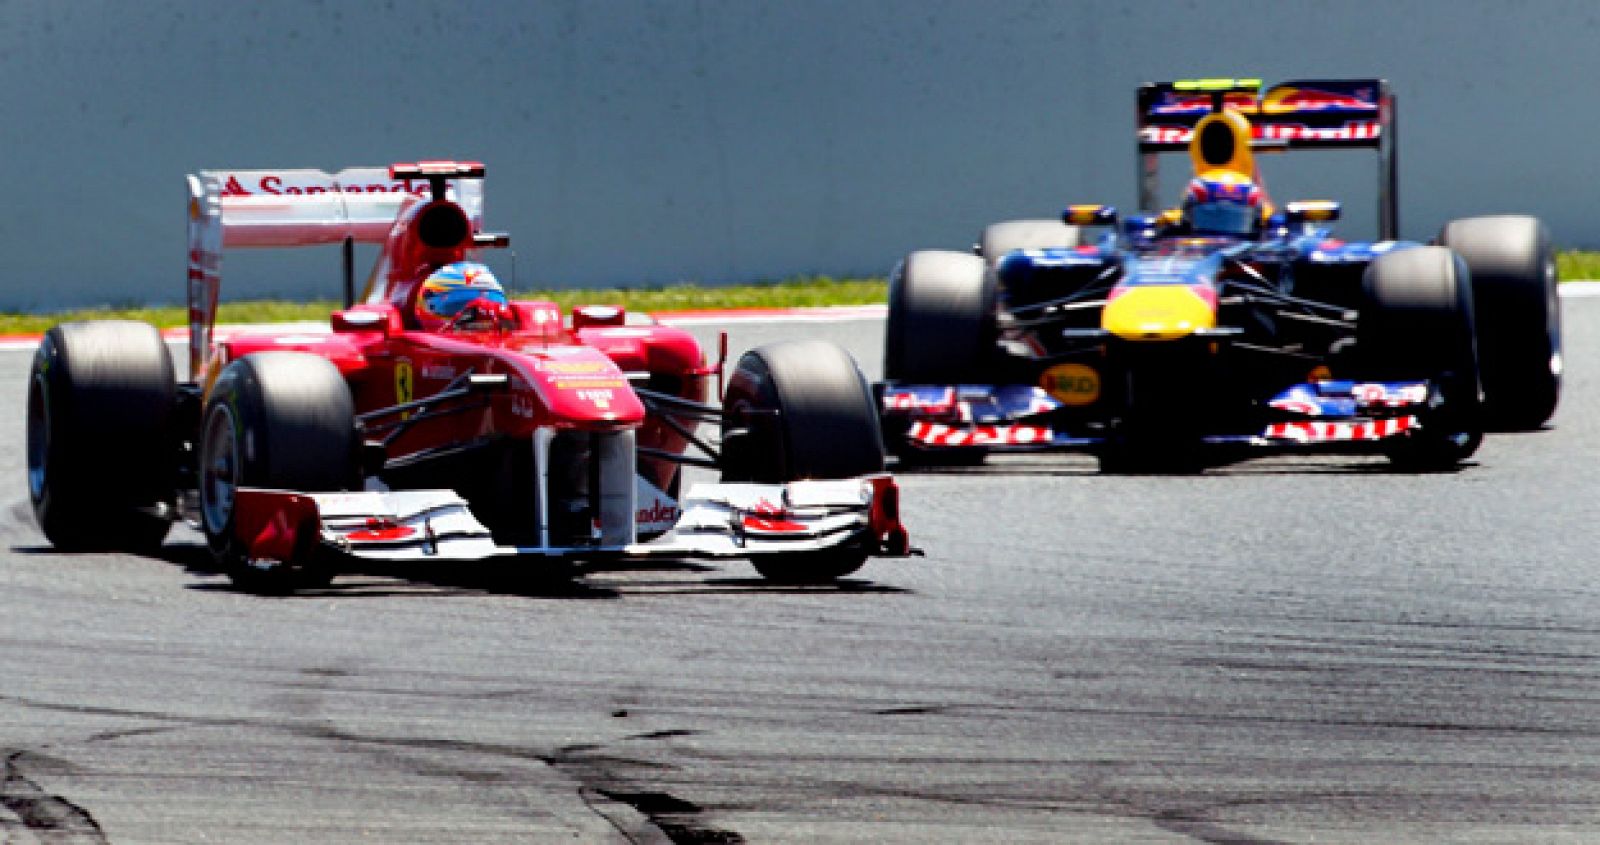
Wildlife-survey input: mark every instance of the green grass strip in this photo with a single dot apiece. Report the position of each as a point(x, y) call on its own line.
point(1575, 265)
point(792, 293)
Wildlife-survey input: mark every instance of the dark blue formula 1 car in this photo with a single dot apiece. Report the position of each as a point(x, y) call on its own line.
point(1229, 325)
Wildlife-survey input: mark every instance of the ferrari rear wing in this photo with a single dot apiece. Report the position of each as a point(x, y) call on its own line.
point(1296, 115)
point(295, 208)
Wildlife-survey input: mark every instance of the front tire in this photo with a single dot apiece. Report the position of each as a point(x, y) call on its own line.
point(276, 420)
point(800, 410)
point(1518, 310)
point(1416, 323)
point(101, 467)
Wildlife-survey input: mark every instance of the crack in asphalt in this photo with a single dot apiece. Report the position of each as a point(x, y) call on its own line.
point(675, 817)
point(917, 710)
point(64, 821)
point(615, 786)
point(1195, 821)
point(1192, 824)
point(680, 820)
point(596, 773)
point(666, 734)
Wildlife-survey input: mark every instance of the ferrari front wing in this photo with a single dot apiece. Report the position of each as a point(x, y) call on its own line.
point(721, 520)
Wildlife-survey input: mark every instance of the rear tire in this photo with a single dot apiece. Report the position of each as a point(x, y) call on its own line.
point(940, 330)
point(101, 463)
point(800, 410)
point(1011, 235)
point(1518, 309)
point(276, 420)
point(1417, 323)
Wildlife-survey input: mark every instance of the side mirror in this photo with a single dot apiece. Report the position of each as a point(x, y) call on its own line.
point(1301, 212)
point(1090, 215)
point(585, 316)
point(368, 318)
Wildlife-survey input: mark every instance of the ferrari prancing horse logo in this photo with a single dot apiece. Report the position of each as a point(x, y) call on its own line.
point(405, 382)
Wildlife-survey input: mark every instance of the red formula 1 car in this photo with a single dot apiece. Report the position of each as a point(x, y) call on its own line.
point(438, 420)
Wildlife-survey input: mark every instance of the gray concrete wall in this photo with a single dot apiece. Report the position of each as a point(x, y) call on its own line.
point(653, 141)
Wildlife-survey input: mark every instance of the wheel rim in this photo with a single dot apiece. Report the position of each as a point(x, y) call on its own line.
point(219, 470)
point(38, 438)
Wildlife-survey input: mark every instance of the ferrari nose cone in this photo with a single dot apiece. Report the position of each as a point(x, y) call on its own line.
point(1157, 312)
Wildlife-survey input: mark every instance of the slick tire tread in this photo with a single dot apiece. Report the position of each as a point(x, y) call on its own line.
point(101, 465)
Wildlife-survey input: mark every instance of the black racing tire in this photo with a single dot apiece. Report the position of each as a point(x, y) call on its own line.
point(1416, 322)
point(1011, 235)
point(941, 322)
point(807, 412)
point(1518, 308)
point(101, 462)
point(275, 420)
point(800, 410)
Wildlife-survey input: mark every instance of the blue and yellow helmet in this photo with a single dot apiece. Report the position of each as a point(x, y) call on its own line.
point(451, 288)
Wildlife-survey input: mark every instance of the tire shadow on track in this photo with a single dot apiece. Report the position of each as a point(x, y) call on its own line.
point(1379, 468)
point(568, 584)
point(421, 581)
point(583, 585)
point(754, 584)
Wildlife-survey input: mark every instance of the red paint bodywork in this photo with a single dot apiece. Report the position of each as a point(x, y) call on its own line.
point(558, 376)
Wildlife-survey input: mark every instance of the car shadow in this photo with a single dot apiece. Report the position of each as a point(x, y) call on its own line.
point(842, 585)
point(1032, 469)
point(195, 559)
point(1074, 466)
point(367, 585)
point(591, 581)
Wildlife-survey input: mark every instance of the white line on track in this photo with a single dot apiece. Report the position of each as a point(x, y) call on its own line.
point(1580, 288)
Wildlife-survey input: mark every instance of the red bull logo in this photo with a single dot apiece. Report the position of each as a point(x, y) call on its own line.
point(1291, 100)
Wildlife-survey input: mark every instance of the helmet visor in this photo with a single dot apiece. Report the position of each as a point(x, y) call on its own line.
point(449, 302)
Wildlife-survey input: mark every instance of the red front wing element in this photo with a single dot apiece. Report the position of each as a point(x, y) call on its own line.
point(273, 525)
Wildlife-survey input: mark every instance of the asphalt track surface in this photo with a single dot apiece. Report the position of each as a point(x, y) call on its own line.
point(1290, 650)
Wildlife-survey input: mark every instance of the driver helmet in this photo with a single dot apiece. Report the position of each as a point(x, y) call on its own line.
point(1223, 204)
point(453, 287)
